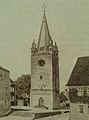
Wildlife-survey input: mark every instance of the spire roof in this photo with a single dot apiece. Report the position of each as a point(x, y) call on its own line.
point(34, 44)
point(56, 45)
point(44, 36)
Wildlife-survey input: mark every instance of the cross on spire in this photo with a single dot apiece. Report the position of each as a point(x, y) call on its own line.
point(44, 6)
point(44, 36)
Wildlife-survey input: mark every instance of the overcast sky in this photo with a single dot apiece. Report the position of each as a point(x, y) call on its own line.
point(20, 22)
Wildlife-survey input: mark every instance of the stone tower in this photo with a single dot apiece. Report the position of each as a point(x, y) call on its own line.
point(44, 70)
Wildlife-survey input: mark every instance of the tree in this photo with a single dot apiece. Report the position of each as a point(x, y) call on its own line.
point(23, 85)
point(62, 97)
point(73, 94)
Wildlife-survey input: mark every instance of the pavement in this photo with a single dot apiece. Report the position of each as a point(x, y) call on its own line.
point(35, 110)
point(64, 116)
point(26, 114)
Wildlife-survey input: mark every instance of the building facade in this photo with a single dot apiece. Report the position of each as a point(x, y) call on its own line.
point(79, 90)
point(13, 93)
point(23, 100)
point(4, 92)
point(44, 70)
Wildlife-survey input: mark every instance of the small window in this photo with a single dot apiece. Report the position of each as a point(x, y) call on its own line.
point(50, 49)
point(41, 77)
point(80, 92)
point(80, 108)
point(5, 102)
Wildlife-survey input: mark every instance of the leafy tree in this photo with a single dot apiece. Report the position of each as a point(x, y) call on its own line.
point(73, 94)
point(23, 85)
point(62, 97)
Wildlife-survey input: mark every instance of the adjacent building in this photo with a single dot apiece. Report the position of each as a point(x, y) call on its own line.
point(4, 91)
point(44, 70)
point(79, 90)
point(13, 93)
point(23, 100)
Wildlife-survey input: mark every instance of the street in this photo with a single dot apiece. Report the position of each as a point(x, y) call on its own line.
point(56, 117)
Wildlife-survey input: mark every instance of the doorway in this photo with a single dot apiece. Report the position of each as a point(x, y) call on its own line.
point(41, 101)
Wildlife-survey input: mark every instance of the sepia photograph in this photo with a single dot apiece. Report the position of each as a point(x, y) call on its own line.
point(44, 60)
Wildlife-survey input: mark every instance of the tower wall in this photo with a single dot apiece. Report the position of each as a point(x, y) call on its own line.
point(41, 87)
point(56, 103)
point(46, 87)
point(47, 96)
point(45, 71)
point(55, 74)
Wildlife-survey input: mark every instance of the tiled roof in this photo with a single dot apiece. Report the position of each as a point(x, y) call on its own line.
point(80, 73)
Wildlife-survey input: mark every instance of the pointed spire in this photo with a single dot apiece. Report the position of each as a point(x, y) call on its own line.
point(44, 36)
point(34, 44)
point(56, 47)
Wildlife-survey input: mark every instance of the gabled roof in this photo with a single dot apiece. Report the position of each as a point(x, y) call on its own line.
point(4, 69)
point(44, 36)
point(80, 73)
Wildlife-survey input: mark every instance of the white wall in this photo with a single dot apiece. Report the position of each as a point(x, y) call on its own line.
point(76, 113)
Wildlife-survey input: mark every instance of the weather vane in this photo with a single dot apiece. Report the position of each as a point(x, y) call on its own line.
point(44, 6)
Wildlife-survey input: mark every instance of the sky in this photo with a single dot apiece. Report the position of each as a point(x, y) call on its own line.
point(20, 22)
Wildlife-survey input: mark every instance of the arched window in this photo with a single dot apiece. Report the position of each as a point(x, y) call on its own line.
point(41, 101)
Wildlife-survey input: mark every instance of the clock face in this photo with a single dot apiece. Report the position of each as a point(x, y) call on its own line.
point(41, 62)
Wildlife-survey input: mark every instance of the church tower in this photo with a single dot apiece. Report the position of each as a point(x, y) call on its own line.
point(44, 70)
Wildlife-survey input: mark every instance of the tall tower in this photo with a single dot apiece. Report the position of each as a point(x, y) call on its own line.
point(44, 70)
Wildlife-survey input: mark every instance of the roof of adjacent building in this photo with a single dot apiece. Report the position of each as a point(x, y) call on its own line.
point(80, 73)
point(4, 69)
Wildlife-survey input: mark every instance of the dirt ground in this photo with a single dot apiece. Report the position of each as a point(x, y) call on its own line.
point(56, 117)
